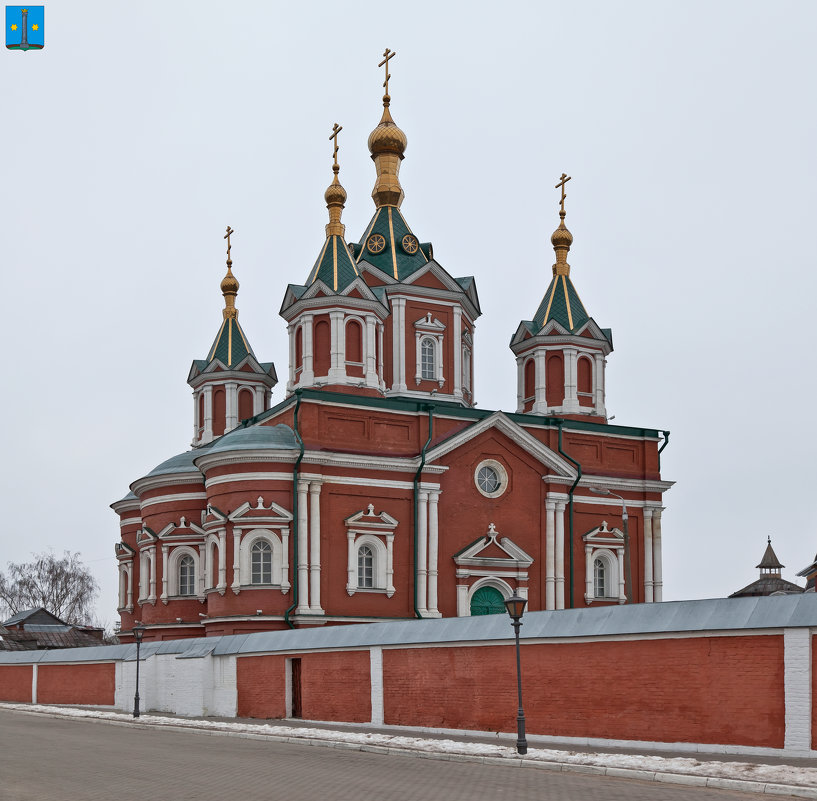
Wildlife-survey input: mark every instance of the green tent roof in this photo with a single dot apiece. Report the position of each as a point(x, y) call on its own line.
point(561, 303)
point(231, 346)
point(335, 265)
point(393, 259)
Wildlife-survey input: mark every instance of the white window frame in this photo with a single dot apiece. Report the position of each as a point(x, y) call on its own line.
point(431, 330)
point(173, 566)
point(377, 531)
point(608, 545)
point(248, 539)
point(501, 472)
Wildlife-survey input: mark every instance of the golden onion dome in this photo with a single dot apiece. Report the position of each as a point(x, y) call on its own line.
point(561, 236)
point(229, 284)
point(387, 137)
point(335, 194)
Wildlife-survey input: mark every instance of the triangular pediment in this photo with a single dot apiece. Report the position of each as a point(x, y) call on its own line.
point(604, 537)
point(491, 551)
point(145, 534)
point(429, 323)
point(367, 267)
point(259, 512)
point(433, 276)
point(369, 519)
point(123, 550)
point(501, 422)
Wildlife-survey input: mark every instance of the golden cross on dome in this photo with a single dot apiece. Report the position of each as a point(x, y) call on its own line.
point(227, 237)
point(336, 129)
point(562, 181)
point(387, 54)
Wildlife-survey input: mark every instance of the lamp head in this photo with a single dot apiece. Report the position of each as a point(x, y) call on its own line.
point(138, 631)
point(599, 491)
point(516, 606)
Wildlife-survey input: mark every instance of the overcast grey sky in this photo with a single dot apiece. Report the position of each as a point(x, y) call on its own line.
point(143, 129)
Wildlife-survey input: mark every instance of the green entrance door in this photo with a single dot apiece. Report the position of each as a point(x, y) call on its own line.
point(487, 601)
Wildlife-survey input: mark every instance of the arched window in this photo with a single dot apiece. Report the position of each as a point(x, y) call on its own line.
point(123, 586)
point(354, 342)
point(428, 362)
point(600, 578)
point(530, 379)
point(487, 601)
point(201, 413)
point(584, 381)
point(245, 404)
point(261, 561)
point(322, 347)
point(299, 348)
point(365, 567)
point(187, 575)
point(555, 380)
point(211, 572)
point(219, 412)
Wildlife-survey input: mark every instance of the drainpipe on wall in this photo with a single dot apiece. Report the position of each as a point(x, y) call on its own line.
point(666, 440)
point(578, 467)
point(430, 409)
point(295, 585)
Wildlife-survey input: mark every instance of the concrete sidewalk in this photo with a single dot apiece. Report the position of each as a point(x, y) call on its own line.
point(756, 774)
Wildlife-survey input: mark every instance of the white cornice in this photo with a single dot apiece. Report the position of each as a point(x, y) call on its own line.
point(180, 496)
point(169, 480)
point(130, 521)
point(611, 482)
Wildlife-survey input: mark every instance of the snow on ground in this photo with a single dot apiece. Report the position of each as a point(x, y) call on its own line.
point(745, 771)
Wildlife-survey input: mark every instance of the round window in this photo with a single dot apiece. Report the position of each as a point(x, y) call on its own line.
point(491, 478)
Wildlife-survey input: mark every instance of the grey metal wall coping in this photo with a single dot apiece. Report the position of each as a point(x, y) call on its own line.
point(669, 617)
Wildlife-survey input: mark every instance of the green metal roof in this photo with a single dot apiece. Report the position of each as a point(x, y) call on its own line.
point(561, 303)
point(231, 346)
point(392, 259)
point(335, 265)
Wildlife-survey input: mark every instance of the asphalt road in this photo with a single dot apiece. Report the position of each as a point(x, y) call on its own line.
point(47, 759)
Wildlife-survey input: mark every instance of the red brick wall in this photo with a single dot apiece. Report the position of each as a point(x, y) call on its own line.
point(334, 686)
point(15, 683)
point(725, 690)
point(77, 684)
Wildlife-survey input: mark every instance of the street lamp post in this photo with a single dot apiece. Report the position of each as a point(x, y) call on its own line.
point(628, 585)
point(138, 633)
point(516, 608)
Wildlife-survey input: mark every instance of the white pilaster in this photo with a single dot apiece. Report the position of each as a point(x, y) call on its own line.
point(129, 569)
point(152, 573)
point(588, 572)
point(599, 384)
point(163, 598)
point(222, 561)
point(337, 369)
point(196, 421)
point(351, 562)
point(285, 585)
point(236, 587)
point(292, 331)
point(369, 355)
point(797, 684)
point(560, 554)
point(258, 400)
point(457, 352)
point(231, 396)
point(463, 609)
point(422, 552)
point(399, 344)
point(622, 594)
point(520, 384)
point(540, 404)
point(657, 572)
point(202, 566)
point(207, 434)
point(376, 683)
point(432, 554)
point(648, 556)
point(307, 357)
point(380, 360)
point(550, 554)
point(315, 548)
point(390, 564)
point(303, 544)
point(571, 401)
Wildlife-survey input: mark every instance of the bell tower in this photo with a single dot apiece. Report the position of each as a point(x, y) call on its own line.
point(561, 353)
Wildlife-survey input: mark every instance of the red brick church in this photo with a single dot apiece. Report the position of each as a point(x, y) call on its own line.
point(375, 488)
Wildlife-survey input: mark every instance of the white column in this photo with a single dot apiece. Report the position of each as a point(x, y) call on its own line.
point(222, 561)
point(201, 568)
point(540, 404)
point(797, 684)
point(389, 564)
point(196, 421)
point(152, 573)
point(571, 402)
point(303, 544)
point(315, 548)
point(292, 330)
point(380, 360)
point(258, 400)
point(307, 357)
point(231, 392)
point(560, 554)
point(520, 384)
point(418, 357)
point(433, 498)
point(463, 608)
point(129, 569)
point(657, 573)
point(337, 368)
point(34, 683)
point(370, 351)
point(622, 595)
point(457, 352)
point(550, 554)
point(599, 384)
point(351, 563)
point(588, 572)
point(376, 683)
point(648, 556)
point(165, 560)
point(398, 334)
point(207, 434)
point(422, 552)
point(285, 585)
point(236, 588)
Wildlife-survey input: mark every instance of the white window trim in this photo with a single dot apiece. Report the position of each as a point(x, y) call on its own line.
point(172, 566)
point(501, 472)
point(383, 562)
point(248, 539)
point(147, 575)
point(606, 544)
point(433, 330)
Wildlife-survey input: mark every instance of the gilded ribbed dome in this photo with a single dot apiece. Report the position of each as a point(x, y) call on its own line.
point(229, 284)
point(561, 236)
point(335, 194)
point(387, 137)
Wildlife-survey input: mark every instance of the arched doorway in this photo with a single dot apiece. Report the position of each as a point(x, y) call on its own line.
point(487, 601)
